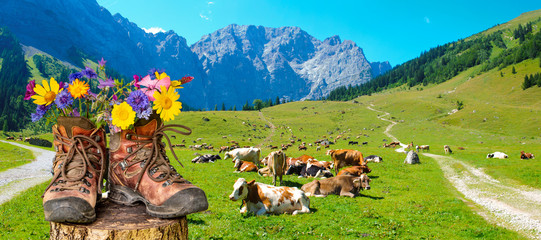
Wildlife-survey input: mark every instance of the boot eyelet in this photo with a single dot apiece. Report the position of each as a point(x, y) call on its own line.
point(97, 138)
point(123, 165)
point(128, 136)
point(89, 175)
point(129, 150)
point(86, 182)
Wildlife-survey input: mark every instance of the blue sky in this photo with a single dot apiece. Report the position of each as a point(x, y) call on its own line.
point(394, 31)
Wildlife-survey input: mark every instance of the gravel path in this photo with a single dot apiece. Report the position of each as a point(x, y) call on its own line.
point(512, 206)
point(16, 180)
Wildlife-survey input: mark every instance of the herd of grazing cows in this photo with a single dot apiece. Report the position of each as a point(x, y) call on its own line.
point(344, 175)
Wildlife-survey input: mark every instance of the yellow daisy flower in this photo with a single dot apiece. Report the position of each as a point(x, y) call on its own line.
point(160, 76)
point(176, 84)
point(46, 94)
point(78, 88)
point(166, 103)
point(123, 115)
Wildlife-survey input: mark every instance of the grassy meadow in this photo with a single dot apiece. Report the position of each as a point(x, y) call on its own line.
point(17, 156)
point(405, 202)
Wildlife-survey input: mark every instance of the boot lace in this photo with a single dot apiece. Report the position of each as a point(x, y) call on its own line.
point(75, 163)
point(158, 160)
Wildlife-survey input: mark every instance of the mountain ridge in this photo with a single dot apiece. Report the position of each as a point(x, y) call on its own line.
point(290, 67)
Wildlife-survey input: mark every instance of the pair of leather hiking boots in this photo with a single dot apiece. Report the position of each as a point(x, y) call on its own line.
point(136, 167)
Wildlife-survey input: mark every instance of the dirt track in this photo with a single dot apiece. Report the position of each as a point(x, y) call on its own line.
point(16, 180)
point(515, 207)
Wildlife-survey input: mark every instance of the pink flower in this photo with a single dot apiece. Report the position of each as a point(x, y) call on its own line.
point(30, 90)
point(101, 63)
point(136, 80)
point(153, 85)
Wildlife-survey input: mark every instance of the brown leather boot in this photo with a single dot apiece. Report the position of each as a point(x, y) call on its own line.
point(78, 167)
point(140, 171)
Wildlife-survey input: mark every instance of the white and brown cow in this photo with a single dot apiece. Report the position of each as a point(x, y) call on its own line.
point(242, 166)
point(277, 164)
point(355, 170)
point(245, 154)
point(262, 199)
point(342, 185)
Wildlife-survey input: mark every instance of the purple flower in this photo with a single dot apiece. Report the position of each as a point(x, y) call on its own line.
point(75, 113)
point(101, 63)
point(63, 85)
point(40, 112)
point(145, 113)
point(106, 83)
point(89, 73)
point(153, 71)
point(139, 102)
point(30, 90)
point(77, 75)
point(64, 99)
point(91, 95)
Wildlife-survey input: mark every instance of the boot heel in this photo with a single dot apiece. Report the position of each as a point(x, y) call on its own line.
point(123, 195)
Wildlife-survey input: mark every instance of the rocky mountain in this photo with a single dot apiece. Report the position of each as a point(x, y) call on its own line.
point(232, 65)
point(379, 68)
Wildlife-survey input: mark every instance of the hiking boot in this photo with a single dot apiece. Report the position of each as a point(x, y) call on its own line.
point(140, 171)
point(78, 169)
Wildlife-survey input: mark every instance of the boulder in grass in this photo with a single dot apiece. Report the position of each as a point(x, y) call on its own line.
point(412, 158)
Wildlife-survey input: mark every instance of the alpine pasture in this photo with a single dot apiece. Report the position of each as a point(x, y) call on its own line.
point(405, 201)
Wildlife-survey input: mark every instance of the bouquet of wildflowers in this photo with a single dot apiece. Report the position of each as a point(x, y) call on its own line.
point(117, 104)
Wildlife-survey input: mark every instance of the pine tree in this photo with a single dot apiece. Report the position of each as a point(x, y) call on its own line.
point(216, 107)
point(234, 107)
point(513, 71)
point(278, 98)
point(527, 83)
point(223, 106)
point(501, 74)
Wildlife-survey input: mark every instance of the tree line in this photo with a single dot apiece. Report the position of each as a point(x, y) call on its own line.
point(444, 62)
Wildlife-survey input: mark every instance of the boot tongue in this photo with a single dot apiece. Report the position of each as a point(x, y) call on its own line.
point(80, 123)
point(148, 127)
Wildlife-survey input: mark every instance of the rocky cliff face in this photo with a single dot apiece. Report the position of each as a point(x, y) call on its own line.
point(285, 62)
point(379, 68)
point(232, 65)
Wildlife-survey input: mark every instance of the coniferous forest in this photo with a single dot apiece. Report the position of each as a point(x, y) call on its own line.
point(442, 63)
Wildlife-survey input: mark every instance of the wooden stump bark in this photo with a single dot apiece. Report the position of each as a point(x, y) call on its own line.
point(114, 221)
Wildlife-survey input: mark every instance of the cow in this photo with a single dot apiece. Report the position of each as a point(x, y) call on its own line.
point(447, 149)
point(365, 143)
point(260, 198)
point(244, 154)
point(277, 165)
point(318, 148)
point(353, 143)
point(354, 171)
point(461, 148)
point(525, 155)
point(422, 147)
point(242, 166)
point(342, 185)
point(394, 144)
point(373, 158)
point(310, 170)
point(10, 138)
point(302, 147)
point(206, 158)
point(321, 164)
point(303, 159)
point(499, 155)
point(346, 157)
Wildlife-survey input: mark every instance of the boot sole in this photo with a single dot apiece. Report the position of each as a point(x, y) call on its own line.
point(180, 204)
point(69, 209)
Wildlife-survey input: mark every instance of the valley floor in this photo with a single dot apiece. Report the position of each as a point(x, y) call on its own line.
point(512, 206)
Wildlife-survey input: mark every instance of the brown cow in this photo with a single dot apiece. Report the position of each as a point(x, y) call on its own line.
point(242, 166)
point(525, 155)
point(346, 157)
point(354, 171)
point(277, 165)
point(342, 185)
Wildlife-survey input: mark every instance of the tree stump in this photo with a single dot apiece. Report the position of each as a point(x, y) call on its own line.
point(114, 221)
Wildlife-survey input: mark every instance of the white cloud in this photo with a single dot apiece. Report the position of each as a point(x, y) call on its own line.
point(204, 17)
point(210, 3)
point(427, 20)
point(154, 30)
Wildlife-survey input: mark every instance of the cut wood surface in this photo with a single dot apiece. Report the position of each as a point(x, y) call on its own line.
point(114, 221)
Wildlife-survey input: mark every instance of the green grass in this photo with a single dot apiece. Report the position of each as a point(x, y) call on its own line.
point(22, 217)
point(13, 156)
point(405, 202)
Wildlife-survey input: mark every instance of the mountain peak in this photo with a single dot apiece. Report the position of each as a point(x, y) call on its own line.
point(334, 40)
